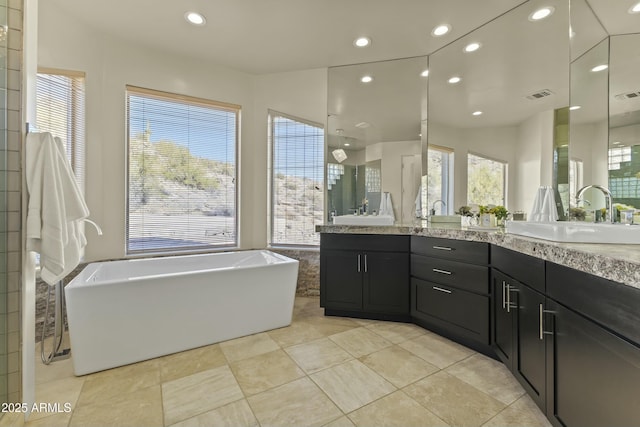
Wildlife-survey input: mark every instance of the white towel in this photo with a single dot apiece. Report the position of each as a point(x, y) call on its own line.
point(388, 206)
point(383, 204)
point(544, 206)
point(56, 208)
point(418, 203)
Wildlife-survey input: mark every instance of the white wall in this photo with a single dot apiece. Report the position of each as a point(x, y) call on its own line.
point(533, 164)
point(301, 94)
point(392, 153)
point(589, 142)
point(110, 64)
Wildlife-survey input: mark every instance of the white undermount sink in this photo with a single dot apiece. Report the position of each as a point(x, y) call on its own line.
point(363, 220)
point(576, 232)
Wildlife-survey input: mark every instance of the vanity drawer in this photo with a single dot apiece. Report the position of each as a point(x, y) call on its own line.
point(457, 250)
point(474, 278)
point(524, 268)
point(464, 312)
point(365, 242)
point(614, 305)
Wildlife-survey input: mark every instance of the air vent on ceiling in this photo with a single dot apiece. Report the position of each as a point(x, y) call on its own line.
point(540, 94)
point(628, 95)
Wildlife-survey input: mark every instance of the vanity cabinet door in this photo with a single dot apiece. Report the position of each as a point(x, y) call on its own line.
point(517, 335)
point(502, 333)
point(593, 375)
point(528, 307)
point(455, 310)
point(385, 282)
point(341, 280)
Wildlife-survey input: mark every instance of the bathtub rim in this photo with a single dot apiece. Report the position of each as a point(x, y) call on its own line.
point(82, 279)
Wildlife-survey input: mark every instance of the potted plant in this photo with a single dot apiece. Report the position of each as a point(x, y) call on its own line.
point(466, 215)
point(487, 217)
point(501, 214)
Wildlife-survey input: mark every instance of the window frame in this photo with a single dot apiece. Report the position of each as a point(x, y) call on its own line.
point(271, 180)
point(447, 177)
point(191, 100)
point(76, 135)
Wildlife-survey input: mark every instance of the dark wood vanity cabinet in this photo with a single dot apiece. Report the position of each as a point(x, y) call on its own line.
point(365, 275)
point(593, 350)
point(570, 338)
point(450, 287)
point(518, 308)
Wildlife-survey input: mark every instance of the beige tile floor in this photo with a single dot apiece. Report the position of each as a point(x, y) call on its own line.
point(319, 371)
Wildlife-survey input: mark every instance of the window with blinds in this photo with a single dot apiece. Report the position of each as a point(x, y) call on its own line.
point(60, 109)
point(297, 180)
point(182, 172)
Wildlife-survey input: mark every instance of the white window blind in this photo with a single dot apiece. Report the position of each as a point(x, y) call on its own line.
point(297, 180)
point(182, 172)
point(60, 107)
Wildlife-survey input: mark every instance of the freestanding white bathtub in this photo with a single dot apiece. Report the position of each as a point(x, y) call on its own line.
point(122, 312)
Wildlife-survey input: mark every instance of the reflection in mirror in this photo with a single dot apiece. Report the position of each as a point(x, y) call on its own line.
point(498, 119)
point(605, 130)
point(377, 125)
point(589, 127)
point(624, 120)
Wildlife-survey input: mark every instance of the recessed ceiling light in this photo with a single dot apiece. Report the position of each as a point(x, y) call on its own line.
point(195, 18)
point(366, 79)
point(617, 142)
point(472, 47)
point(635, 8)
point(363, 125)
point(425, 73)
point(346, 144)
point(575, 107)
point(362, 42)
point(541, 13)
point(477, 113)
point(441, 30)
point(454, 80)
point(599, 68)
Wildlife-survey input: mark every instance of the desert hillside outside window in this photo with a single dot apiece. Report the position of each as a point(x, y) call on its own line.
point(486, 180)
point(182, 172)
point(297, 180)
point(60, 107)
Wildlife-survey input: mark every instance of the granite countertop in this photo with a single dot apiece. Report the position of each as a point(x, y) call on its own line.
point(620, 263)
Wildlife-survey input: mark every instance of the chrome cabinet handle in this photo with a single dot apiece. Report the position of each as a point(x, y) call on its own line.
point(508, 298)
point(504, 295)
point(541, 323)
point(358, 263)
point(442, 248)
point(437, 270)
point(446, 291)
point(366, 270)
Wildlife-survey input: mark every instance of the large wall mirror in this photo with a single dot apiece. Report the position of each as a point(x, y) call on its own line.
point(605, 100)
point(498, 101)
point(376, 113)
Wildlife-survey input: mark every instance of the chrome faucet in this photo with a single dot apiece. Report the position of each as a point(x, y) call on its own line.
point(606, 193)
point(433, 206)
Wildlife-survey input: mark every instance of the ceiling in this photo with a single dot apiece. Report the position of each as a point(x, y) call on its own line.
point(258, 36)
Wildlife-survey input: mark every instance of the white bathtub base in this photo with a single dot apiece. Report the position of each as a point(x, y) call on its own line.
point(115, 324)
